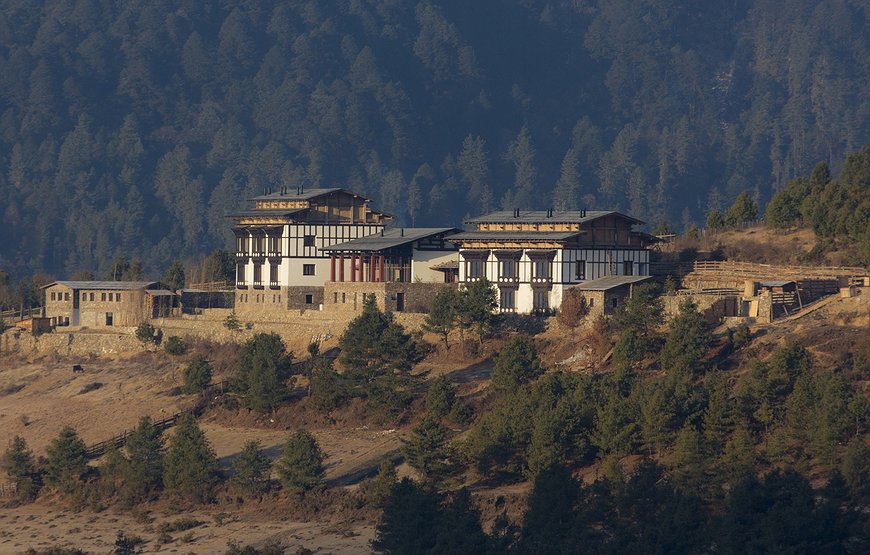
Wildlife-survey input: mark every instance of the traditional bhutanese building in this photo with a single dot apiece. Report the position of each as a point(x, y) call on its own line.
point(107, 303)
point(403, 268)
point(532, 257)
point(280, 242)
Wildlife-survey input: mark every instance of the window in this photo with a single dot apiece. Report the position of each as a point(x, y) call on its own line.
point(580, 270)
point(52, 295)
point(258, 244)
point(309, 299)
point(628, 268)
point(541, 300)
point(507, 299)
point(111, 297)
point(335, 298)
point(614, 302)
point(308, 241)
point(509, 268)
point(258, 275)
point(274, 245)
point(308, 269)
point(273, 275)
point(117, 297)
point(92, 297)
point(542, 268)
point(241, 245)
point(103, 297)
point(474, 268)
point(110, 319)
point(343, 298)
point(66, 296)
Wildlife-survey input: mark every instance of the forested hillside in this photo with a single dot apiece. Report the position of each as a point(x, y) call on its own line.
point(132, 128)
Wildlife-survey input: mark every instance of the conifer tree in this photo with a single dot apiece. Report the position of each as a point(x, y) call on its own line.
point(144, 470)
point(550, 513)
point(441, 318)
point(460, 530)
point(301, 465)
point(375, 345)
point(191, 468)
point(689, 459)
point(743, 211)
point(264, 366)
point(718, 417)
point(18, 460)
point(440, 397)
point(197, 375)
point(251, 469)
point(477, 301)
point(687, 341)
point(67, 460)
point(516, 364)
point(410, 521)
point(428, 450)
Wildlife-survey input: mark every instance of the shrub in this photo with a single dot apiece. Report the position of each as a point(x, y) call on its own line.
point(175, 346)
point(178, 525)
point(232, 322)
point(440, 397)
point(197, 375)
point(145, 333)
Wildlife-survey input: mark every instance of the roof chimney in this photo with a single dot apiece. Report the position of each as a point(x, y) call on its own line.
point(516, 212)
point(402, 232)
point(583, 213)
point(298, 192)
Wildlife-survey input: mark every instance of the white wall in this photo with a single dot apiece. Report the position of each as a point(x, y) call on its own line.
point(422, 262)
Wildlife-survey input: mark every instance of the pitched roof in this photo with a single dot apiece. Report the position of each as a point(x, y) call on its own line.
point(545, 236)
point(300, 193)
point(555, 217)
point(108, 285)
point(390, 238)
point(609, 282)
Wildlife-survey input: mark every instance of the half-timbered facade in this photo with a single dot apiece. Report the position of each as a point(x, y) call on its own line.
point(533, 256)
point(280, 261)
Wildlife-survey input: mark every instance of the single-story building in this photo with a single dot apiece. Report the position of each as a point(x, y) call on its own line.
point(605, 294)
point(107, 303)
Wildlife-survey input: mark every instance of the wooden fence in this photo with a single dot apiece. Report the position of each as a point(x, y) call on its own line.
point(99, 449)
point(750, 270)
point(211, 286)
point(9, 490)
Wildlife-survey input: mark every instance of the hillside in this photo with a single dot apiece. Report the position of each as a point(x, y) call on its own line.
point(135, 127)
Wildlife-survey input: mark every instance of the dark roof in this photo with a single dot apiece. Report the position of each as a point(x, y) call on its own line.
point(609, 282)
point(515, 235)
point(390, 238)
point(540, 216)
point(108, 285)
point(160, 293)
point(775, 283)
point(294, 193)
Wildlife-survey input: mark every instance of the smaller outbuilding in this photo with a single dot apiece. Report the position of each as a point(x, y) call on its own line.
point(604, 295)
point(107, 303)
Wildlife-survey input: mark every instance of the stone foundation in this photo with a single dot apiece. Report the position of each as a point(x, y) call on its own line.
point(347, 297)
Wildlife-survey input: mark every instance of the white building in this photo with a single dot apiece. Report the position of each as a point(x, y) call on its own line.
point(534, 256)
point(280, 262)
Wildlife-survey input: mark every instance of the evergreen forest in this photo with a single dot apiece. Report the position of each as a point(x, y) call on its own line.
point(134, 128)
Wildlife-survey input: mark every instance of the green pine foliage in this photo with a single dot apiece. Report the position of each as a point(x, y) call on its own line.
point(67, 461)
point(743, 211)
point(190, 470)
point(145, 333)
point(443, 314)
point(143, 473)
point(175, 346)
point(687, 342)
point(517, 363)
point(251, 469)
point(300, 467)
point(197, 375)
point(477, 301)
point(375, 346)
point(264, 367)
point(428, 450)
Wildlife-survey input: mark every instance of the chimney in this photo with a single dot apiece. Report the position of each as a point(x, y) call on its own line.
point(382, 232)
point(402, 232)
point(583, 213)
point(297, 191)
point(265, 191)
point(516, 212)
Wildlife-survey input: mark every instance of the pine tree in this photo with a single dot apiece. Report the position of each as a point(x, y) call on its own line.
point(197, 375)
point(18, 460)
point(743, 211)
point(382, 484)
point(475, 308)
point(190, 470)
point(516, 364)
point(551, 511)
point(522, 154)
point(410, 521)
point(441, 318)
point(460, 530)
point(67, 460)
point(375, 345)
point(687, 341)
point(144, 470)
point(251, 469)
point(428, 450)
point(174, 276)
point(264, 366)
point(738, 459)
point(689, 459)
point(718, 417)
point(566, 193)
point(301, 465)
point(440, 397)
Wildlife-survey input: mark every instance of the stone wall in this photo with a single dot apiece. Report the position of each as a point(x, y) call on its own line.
point(347, 297)
point(713, 307)
point(70, 343)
